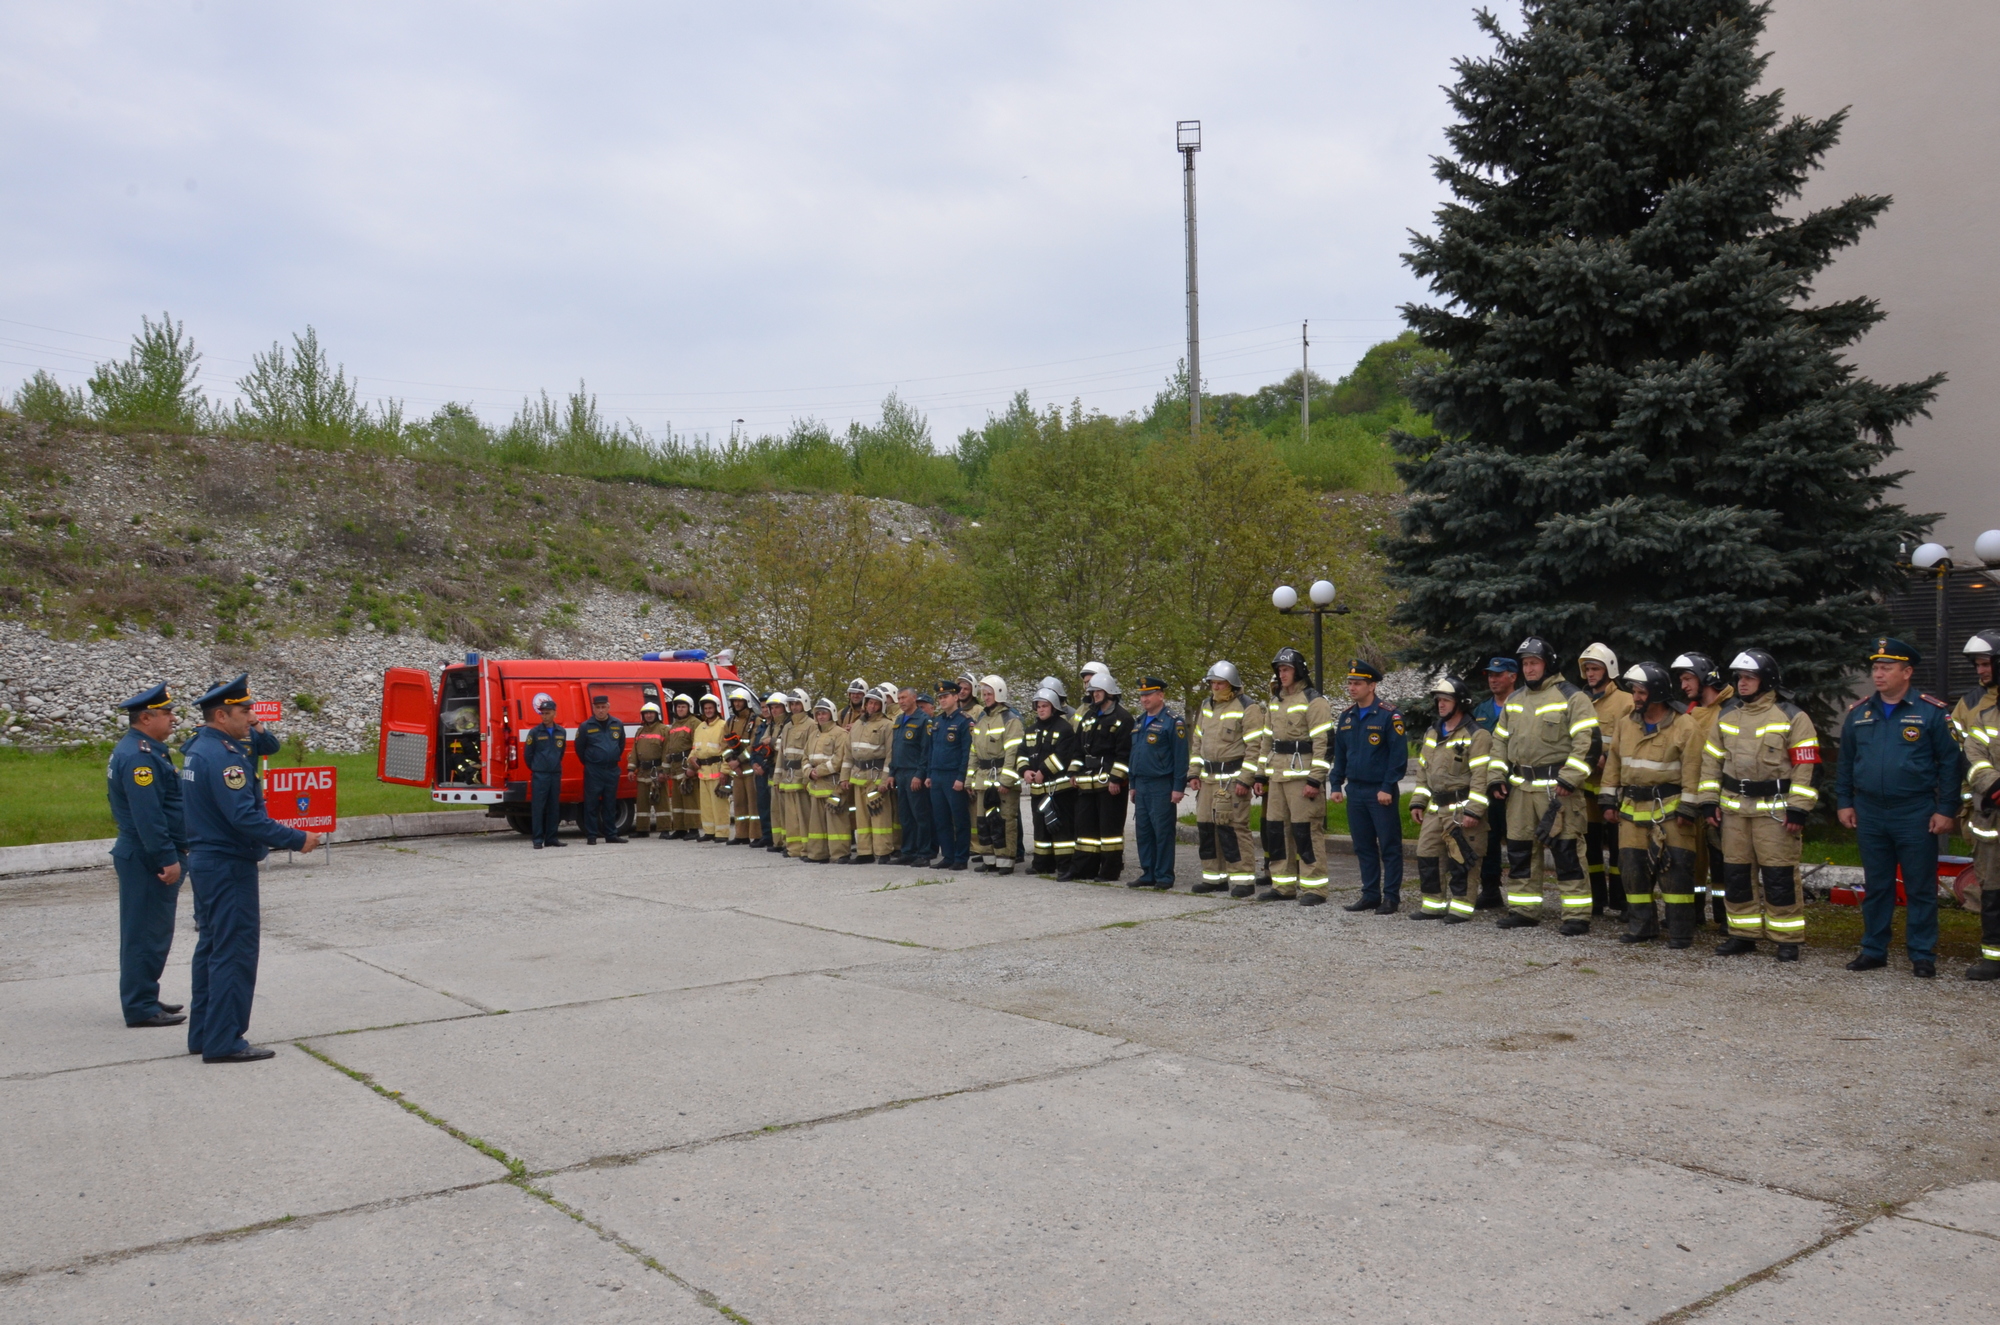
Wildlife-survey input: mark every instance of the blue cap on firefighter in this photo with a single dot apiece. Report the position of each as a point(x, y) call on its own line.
point(1503, 665)
point(1887, 648)
point(226, 692)
point(155, 698)
point(1363, 670)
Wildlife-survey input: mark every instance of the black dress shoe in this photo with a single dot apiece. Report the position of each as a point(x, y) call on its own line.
point(160, 1018)
point(590, 841)
point(1140, 883)
point(1738, 947)
point(558, 843)
point(1389, 908)
point(1510, 920)
point(1361, 904)
point(960, 867)
point(1166, 887)
point(251, 1055)
point(173, 1007)
point(616, 841)
point(1924, 970)
point(1867, 963)
point(538, 846)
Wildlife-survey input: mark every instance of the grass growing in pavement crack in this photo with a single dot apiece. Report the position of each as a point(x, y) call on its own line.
point(518, 1168)
point(1121, 924)
point(701, 1295)
point(898, 887)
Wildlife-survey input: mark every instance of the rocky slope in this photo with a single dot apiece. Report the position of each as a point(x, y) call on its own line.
point(125, 560)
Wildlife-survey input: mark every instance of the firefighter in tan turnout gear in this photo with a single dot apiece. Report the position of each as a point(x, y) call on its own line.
point(1222, 772)
point(1293, 765)
point(1597, 668)
point(792, 740)
point(868, 783)
point(1449, 805)
point(710, 736)
point(1978, 720)
point(683, 793)
point(1757, 785)
point(995, 783)
point(1544, 746)
point(826, 759)
point(645, 760)
point(1652, 764)
point(745, 828)
point(1702, 687)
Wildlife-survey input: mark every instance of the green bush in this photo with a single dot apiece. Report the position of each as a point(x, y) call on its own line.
point(156, 382)
point(46, 400)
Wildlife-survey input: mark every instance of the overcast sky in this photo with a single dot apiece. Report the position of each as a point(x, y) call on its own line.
point(712, 213)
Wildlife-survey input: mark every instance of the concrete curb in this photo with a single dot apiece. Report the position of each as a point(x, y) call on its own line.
point(57, 857)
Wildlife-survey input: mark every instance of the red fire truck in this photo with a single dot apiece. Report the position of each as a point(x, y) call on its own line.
point(462, 736)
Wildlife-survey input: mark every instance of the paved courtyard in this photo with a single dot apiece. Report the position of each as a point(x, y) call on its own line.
point(681, 1083)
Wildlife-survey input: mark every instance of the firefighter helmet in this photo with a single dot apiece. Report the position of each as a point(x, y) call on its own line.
point(1107, 683)
point(711, 698)
point(1759, 664)
point(1292, 658)
point(857, 687)
point(998, 686)
point(823, 706)
point(649, 707)
point(1053, 683)
point(1225, 672)
point(778, 697)
point(1602, 655)
point(681, 701)
point(1448, 684)
point(1700, 666)
point(1653, 678)
point(1047, 695)
point(1984, 645)
point(1536, 647)
point(799, 693)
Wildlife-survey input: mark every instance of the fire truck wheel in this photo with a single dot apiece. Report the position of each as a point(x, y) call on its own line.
point(628, 814)
point(521, 824)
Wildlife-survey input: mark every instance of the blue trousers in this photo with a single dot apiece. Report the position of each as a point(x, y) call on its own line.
point(914, 803)
point(951, 820)
point(545, 809)
point(1378, 842)
point(145, 933)
point(1892, 835)
point(225, 956)
point(764, 804)
point(600, 800)
point(1153, 821)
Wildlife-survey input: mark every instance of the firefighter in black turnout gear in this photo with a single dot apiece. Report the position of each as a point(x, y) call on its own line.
point(1103, 767)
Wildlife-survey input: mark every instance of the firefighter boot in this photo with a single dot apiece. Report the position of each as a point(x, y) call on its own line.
point(1214, 878)
point(1683, 907)
point(1642, 923)
point(1458, 906)
point(1573, 886)
point(1988, 965)
point(1431, 884)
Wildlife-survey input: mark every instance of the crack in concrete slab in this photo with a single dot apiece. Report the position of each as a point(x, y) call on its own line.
point(1688, 1313)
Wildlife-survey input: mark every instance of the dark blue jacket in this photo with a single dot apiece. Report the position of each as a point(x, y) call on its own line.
point(225, 800)
point(951, 747)
point(1487, 713)
point(1372, 751)
point(910, 744)
point(1909, 759)
point(600, 743)
point(1159, 747)
point(145, 790)
point(544, 748)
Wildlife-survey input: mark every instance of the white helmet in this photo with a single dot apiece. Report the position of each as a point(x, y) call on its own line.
point(649, 707)
point(1053, 683)
point(778, 697)
point(1602, 655)
point(1983, 645)
point(886, 693)
point(1091, 669)
point(799, 694)
point(857, 687)
point(710, 698)
point(1225, 671)
point(998, 687)
point(823, 706)
point(735, 690)
point(1107, 683)
point(1047, 695)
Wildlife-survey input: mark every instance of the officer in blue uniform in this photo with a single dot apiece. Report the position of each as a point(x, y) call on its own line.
point(228, 833)
point(150, 854)
point(950, 756)
point(1502, 676)
point(909, 756)
point(1159, 771)
point(542, 748)
point(1898, 789)
point(600, 748)
point(1370, 755)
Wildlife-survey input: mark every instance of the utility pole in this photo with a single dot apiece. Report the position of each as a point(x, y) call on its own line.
point(1187, 140)
point(1305, 391)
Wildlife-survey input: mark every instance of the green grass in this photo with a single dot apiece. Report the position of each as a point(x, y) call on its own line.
point(58, 795)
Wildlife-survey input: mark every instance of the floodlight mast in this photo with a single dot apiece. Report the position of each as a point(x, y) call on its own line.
point(1187, 140)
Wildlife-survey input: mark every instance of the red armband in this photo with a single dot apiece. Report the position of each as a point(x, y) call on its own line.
point(1805, 754)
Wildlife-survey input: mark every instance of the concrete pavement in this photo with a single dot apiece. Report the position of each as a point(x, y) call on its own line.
point(671, 1082)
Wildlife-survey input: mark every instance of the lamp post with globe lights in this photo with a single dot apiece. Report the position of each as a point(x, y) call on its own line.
point(1320, 595)
point(1936, 558)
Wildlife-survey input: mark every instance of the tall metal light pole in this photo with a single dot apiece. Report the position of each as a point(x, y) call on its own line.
point(1187, 140)
point(1286, 599)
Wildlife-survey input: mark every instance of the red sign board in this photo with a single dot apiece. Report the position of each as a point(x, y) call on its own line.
point(301, 798)
point(267, 710)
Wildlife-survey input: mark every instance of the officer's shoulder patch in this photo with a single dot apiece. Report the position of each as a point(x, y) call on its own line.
point(142, 775)
point(234, 777)
point(1933, 699)
point(147, 748)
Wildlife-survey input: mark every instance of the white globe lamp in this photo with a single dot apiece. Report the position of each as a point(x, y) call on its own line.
point(1321, 593)
point(1929, 555)
point(1284, 598)
point(1987, 547)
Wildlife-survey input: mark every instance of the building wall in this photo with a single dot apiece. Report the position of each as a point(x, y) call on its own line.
point(1924, 127)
